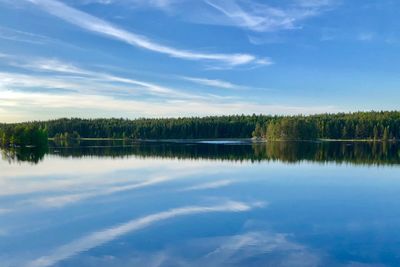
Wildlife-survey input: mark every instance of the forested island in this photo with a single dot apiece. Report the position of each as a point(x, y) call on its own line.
point(25, 134)
point(382, 126)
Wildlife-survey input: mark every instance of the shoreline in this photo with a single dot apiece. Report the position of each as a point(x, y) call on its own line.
point(252, 140)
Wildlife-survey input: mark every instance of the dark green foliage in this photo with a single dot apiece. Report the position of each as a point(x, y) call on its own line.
point(22, 135)
point(292, 128)
point(67, 136)
point(177, 128)
point(360, 125)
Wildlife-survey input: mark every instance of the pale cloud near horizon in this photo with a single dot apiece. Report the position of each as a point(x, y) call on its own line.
point(61, 89)
point(53, 88)
point(93, 24)
point(41, 106)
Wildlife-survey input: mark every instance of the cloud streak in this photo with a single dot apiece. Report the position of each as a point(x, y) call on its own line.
point(213, 83)
point(99, 26)
point(83, 80)
point(257, 17)
point(60, 201)
point(251, 15)
point(101, 237)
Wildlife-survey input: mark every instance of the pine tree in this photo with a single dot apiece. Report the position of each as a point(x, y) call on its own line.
point(376, 133)
point(386, 134)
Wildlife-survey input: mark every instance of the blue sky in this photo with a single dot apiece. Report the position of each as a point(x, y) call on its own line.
point(169, 58)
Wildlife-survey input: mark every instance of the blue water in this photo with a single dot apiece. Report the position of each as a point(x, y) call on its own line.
point(136, 210)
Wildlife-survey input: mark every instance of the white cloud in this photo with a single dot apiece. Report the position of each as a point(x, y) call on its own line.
point(94, 24)
point(101, 237)
point(213, 83)
point(73, 91)
point(54, 65)
point(87, 81)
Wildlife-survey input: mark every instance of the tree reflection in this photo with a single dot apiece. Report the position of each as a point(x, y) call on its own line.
point(26, 154)
point(369, 153)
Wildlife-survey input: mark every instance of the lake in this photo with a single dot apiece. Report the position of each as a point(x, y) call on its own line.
point(201, 203)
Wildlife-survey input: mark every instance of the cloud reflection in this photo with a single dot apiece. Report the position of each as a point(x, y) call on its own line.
point(62, 200)
point(98, 238)
point(250, 248)
point(209, 185)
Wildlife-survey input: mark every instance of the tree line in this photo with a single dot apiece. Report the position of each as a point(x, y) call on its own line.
point(240, 126)
point(22, 135)
point(383, 125)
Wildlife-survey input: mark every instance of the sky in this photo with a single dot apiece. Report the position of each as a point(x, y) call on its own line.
point(175, 58)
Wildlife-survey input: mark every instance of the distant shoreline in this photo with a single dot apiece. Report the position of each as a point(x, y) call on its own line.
point(250, 140)
point(341, 127)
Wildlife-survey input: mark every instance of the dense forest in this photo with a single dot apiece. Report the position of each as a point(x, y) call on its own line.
point(174, 128)
point(22, 135)
point(359, 125)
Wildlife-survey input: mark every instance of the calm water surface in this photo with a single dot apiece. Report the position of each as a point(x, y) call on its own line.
point(201, 204)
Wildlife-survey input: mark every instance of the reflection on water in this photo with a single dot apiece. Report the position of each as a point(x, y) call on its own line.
point(25, 154)
point(201, 204)
point(291, 152)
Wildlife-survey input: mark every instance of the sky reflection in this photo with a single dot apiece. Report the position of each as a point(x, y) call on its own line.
point(98, 238)
point(140, 211)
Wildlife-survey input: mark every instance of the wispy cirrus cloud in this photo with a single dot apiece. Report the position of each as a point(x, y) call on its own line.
point(260, 17)
point(22, 36)
point(252, 15)
point(99, 26)
point(67, 89)
point(82, 80)
point(31, 38)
